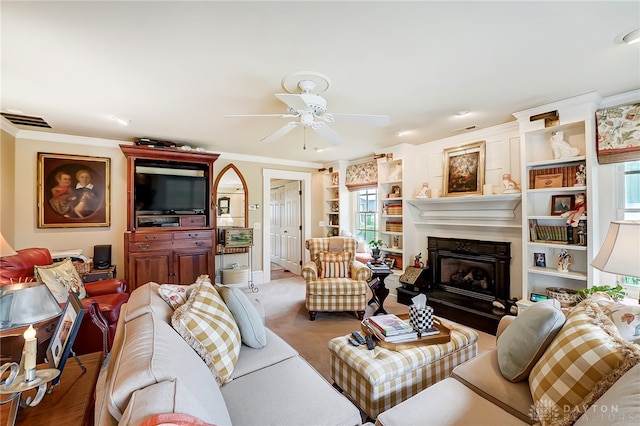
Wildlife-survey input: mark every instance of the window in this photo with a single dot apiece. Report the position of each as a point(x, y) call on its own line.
point(630, 210)
point(631, 197)
point(367, 214)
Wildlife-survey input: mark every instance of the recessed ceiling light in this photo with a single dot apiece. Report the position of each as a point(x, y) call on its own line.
point(462, 113)
point(402, 133)
point(632, 37)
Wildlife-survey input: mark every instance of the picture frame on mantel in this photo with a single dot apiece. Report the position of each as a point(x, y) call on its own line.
point(73, 191)
point(464, 170)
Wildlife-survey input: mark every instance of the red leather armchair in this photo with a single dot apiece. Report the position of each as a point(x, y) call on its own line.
point(103, 302)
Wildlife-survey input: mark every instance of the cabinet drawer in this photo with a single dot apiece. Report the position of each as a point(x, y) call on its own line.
point(150, 246)
point(187, 244)
point(193, 235)
point(196, 221)
point(151, 237)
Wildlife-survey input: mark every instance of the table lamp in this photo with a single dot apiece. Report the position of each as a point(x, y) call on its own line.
point(619, 253)
point(24, 304)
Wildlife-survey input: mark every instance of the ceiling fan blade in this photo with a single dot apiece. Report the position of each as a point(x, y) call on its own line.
point(281, 131)
point(329, 134)
point(371, 120)
point(293, 101)
point(262, 115)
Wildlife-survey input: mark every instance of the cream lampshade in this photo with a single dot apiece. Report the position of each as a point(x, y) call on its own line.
point(619, 253)
point(5, 248)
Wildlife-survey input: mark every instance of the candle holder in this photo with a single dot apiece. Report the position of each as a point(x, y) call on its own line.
point(18, 382)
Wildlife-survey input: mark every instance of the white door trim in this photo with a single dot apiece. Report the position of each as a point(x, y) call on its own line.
point(267, 175)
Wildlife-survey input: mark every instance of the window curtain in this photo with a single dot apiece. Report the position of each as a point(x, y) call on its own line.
point(618, 138)
point(363, 175)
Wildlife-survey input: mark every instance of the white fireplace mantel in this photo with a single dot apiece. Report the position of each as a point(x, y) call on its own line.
point(500, 207)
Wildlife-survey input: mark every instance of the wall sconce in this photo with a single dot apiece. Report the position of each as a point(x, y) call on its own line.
point(388, 156)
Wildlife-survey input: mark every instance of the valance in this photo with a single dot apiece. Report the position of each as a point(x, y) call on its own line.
point(362, 175)
point(618, 134)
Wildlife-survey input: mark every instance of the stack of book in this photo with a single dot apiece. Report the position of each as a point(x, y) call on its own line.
point(390, 328)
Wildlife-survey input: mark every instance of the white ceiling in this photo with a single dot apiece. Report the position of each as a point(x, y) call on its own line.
point(175, 69)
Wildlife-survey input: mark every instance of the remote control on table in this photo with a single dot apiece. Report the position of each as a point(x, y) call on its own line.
point(369, 340)
point(358, 337)
point(353, 341)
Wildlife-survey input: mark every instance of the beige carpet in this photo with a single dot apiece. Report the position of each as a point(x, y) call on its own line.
point(287, 316)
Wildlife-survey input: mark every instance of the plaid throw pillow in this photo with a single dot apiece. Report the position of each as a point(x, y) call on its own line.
point(334, 265)
point(205, 322)
point(587, 356)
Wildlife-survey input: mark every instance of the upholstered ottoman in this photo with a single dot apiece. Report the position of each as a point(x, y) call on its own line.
point(378, 379)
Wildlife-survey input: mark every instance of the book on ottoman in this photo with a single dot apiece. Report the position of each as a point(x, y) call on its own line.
point(390, 324)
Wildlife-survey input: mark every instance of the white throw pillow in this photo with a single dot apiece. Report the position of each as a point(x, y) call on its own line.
point(174, 294)
point(246, 315)
point(61, 278)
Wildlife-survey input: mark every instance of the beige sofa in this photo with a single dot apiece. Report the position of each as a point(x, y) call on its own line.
point(477, 393)
point(153, 370)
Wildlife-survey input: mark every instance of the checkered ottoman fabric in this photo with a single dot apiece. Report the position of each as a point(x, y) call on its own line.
point(379, 379)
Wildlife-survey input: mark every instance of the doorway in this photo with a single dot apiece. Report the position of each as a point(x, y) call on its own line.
point(286, 221)
point(286, 225)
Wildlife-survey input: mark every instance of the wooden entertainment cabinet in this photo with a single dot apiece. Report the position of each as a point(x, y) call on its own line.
point(168, 248)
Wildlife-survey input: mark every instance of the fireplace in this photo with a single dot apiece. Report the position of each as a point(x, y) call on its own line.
point(476, 269)
point(465, 278)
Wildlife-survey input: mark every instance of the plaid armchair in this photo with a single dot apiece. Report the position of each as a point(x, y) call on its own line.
point(336, 282)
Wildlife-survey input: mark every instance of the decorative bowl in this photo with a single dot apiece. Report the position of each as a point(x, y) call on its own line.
point(566, 296)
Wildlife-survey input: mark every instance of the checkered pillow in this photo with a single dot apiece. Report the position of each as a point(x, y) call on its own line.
point(587, 356)
point(205, 322)
point(334, 265)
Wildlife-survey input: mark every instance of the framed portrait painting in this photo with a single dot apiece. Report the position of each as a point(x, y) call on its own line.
point(464, 170)
point(73, 191)
point(561, 204)
point(61, 343)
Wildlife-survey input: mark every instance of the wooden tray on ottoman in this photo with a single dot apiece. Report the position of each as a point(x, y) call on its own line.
point(443, 337)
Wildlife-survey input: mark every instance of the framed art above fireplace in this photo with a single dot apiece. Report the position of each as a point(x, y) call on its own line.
point(464, 170)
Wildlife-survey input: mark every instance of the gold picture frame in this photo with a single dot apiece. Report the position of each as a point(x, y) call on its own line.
point(73, 191)
point(464, 170)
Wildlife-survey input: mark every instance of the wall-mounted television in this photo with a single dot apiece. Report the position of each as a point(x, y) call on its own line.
point(166, 190)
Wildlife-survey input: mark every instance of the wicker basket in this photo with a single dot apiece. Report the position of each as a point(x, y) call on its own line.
point(83, 267)
point(394, 210)
point(565, 296)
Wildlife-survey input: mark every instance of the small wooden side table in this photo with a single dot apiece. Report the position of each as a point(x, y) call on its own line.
point(379, 290)
point(70, 403)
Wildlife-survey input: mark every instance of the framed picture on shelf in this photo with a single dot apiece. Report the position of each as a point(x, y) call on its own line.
point(389, 262)
point(63, 337)
point(464, 170)
point(73, 191)
point(561, 204)
point(539, 259)
point(238, 237)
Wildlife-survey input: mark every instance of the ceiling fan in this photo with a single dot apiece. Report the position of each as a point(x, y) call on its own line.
point(308, 109)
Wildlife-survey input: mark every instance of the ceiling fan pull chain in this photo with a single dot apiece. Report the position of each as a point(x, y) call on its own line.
point(304, 138)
